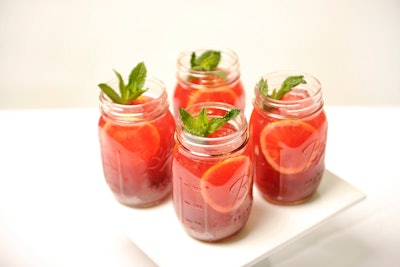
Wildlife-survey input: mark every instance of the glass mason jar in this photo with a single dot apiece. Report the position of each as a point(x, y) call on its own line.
point(288, 140)
point(136, 143)
point(212, 177)
point(220, 85)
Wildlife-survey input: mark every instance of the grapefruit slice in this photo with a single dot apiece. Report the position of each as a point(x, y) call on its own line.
point(143, 138)
point(140, 100)
point(225, 185)
point(220, 94)
point(288, 146)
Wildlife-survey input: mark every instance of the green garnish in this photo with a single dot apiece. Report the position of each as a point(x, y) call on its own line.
point(202, 126)
point(130, 91)
point(208, 61)
point(286, 86)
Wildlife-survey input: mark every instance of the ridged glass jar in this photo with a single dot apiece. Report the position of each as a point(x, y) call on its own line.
point(212, 177)
point(288, 140)
point(136, 143)
point(220, 85)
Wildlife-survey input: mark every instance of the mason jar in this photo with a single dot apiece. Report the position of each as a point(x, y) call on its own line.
point(136, 143)
point(212, 176)
point(220, 85)
point(288, 139)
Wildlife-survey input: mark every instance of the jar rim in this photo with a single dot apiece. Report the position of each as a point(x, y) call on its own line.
point(296, 106)
point(137, 112)
point(226, 53)
point(150, 79)
point(228, 65)
point(207, 146)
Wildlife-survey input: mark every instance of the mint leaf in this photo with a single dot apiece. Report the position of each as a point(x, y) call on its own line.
point(216, 123)
point(110, 93)
point(130, 91)
point(263, 87)
point(202, 126)
point(208, 61)
point(136, 81)
point(192, 125)
point(288, 84)
point(121, 86)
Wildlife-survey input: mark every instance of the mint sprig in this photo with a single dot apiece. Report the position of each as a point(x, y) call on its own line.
point(288, 84)
point(130, 91)
point(202, 126)
point(207, 61)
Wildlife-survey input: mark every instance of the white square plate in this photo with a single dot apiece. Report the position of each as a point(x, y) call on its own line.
point(159, 234)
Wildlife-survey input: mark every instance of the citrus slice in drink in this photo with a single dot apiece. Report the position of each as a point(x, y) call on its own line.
point(140, 100)
point(219, 94)
point(141, 138)
point(288, 145)
point(225, 185)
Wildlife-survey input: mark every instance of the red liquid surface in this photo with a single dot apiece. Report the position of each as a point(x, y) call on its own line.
point(289, 155)
point(212, 197)
point(137, 159)
point(213, 89)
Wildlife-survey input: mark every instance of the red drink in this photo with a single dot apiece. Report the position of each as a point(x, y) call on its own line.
point(212, 178)
point(289, 139)
point(136, 142)
point(220, 85)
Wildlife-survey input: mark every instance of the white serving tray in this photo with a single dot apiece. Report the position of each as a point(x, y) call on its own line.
point(159, 234)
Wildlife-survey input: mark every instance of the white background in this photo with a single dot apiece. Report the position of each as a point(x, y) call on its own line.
point(54, 53)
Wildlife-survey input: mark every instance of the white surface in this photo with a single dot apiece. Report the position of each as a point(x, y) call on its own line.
point(269, 227)
point(56, 210)
point(363, 147)
point(54, 53)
